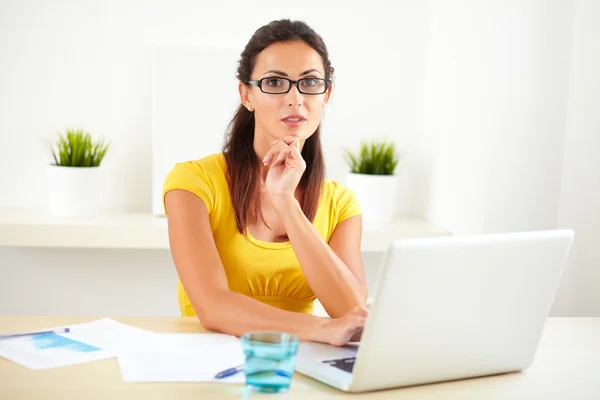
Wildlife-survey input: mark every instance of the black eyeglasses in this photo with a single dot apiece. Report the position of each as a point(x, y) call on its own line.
point(277, 85)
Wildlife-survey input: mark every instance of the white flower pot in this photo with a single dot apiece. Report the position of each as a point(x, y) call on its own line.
point(376, 195)
point(72, 191)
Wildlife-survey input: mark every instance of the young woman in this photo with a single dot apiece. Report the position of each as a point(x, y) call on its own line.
point(256, 231)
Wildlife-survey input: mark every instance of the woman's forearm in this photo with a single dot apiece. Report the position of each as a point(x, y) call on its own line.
point(234, 313)
point(334, 284)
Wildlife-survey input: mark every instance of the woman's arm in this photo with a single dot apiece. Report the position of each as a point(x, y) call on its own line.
point(202, 275)
point(333, 271)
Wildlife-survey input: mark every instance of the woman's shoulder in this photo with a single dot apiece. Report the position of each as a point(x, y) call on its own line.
point(338, 197)
point(335, 191)
point(341, 202)
point(204, 177)
point(212, 165)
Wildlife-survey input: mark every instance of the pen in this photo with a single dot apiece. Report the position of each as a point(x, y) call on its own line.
point(12, 335)
point(229, 372)
point(235, 370)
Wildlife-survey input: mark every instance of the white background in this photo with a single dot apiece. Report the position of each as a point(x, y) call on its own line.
point(496, 102)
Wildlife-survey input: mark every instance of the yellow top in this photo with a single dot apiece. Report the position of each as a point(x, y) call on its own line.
point(266, 271)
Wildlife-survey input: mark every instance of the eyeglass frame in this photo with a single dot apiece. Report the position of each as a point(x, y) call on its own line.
point(258, 83)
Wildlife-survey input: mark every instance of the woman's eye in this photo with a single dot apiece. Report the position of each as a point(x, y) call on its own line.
point(310, 82)
point(274, 82)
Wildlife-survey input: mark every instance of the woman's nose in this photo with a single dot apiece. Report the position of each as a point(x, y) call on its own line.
point(294, 98)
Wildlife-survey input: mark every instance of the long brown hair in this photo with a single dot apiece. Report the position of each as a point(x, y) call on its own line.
point(242, 163)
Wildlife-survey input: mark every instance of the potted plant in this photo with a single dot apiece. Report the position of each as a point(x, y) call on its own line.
point(72, 179)
point(372, 178)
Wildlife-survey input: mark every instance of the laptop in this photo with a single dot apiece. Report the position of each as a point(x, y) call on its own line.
point(449, 308)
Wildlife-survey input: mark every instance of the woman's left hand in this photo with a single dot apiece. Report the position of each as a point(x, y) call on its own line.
point(286, 167)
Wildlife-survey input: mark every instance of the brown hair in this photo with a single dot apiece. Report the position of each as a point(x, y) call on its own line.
point(242, 163)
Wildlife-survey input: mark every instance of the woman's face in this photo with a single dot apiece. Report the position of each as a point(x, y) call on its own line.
point(292, 60)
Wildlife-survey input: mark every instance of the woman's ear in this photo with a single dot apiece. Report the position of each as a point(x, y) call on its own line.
point(328, 94)
point(245, 95)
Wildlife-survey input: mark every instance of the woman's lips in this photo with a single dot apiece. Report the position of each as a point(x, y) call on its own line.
point(294, 122)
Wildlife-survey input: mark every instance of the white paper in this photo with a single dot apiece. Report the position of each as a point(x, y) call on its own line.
point(186, 358)
point(116, 336)
point(91, 341)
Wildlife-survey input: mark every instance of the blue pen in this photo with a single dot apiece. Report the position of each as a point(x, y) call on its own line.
point(229, 372)
point(12, 335)
point(235, 370)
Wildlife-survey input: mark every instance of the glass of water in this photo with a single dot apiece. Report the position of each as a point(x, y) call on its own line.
point(270, 360)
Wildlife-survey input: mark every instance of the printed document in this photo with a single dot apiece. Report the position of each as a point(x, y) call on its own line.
point(91, 341)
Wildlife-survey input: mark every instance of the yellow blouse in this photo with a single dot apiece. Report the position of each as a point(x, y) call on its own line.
point(266, 271)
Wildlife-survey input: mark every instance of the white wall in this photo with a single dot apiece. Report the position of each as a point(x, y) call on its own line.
point(501, 132)
point(90, 64)
point(579, 206)
point(513, 97)
point(87, 282)
point(496, 111)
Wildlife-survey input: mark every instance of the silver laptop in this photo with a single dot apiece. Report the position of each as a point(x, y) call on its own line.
point(449, 308)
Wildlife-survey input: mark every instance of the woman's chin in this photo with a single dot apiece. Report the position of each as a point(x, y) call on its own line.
point(290, 133)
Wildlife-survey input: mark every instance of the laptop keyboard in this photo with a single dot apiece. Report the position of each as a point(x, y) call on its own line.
point(345, 364)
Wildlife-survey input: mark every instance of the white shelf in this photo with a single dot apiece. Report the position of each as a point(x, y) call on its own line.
point(33, 228)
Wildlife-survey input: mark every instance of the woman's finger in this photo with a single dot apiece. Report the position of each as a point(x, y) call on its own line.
point(296, 157)
point(279, 156)
point(295, 153)
point(291, 141)
point(285, 153)
point(359, 320)
point(274, 151)
point(356, 336)
point(285, 147)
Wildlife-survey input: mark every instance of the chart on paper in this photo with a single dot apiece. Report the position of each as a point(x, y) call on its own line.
point(50, 350)
point(90, 341)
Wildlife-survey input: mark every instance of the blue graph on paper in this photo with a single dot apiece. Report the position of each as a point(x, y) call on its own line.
point(53, 341)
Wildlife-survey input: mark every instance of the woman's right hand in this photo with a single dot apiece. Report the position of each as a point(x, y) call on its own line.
point(340, 331)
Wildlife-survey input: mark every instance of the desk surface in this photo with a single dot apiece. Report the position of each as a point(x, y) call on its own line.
point(567, 366)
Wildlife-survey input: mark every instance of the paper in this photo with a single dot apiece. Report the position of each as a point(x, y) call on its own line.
point(184, 358)
point(116, 336)
point(91, 341)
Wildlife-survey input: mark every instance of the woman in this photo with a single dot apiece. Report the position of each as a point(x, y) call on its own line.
point(256, 232)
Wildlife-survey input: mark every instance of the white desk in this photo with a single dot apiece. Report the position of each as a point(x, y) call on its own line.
point(567, 367)
point(33, 228)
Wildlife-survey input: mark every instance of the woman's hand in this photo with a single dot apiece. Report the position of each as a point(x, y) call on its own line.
point(286, 167)
point(340, 331)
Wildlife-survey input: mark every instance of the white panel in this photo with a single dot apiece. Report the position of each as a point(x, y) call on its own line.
point(194, 98)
